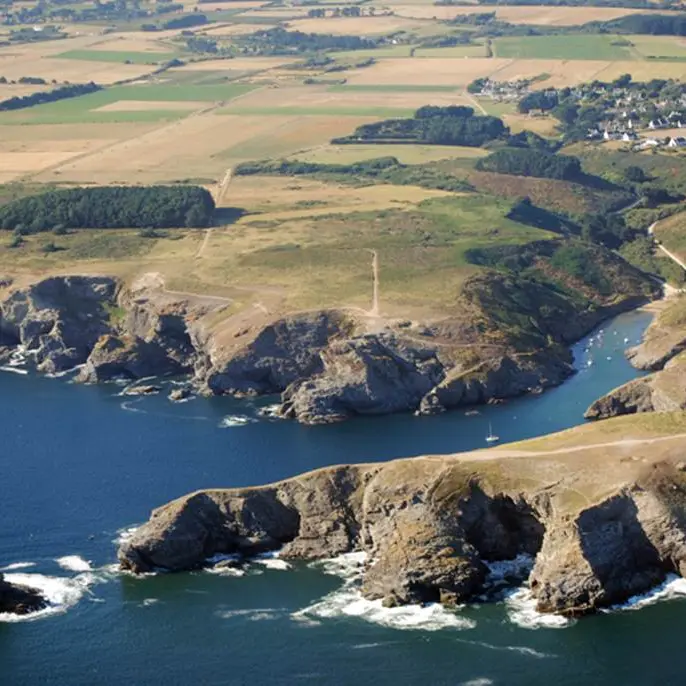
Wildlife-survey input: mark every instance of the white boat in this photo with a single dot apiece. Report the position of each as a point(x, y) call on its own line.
point(491, 438)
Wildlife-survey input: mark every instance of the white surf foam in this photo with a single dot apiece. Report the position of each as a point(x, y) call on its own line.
point(521, 609)
point(254, 614)
point(17, 565)
point(13, 370)
point(347, 601)
point(502, 570)
point(60, 592)
point(481, 681)
point(234, 420)
point(74, 563)
point(223, 571)
point(522, 650)
point(126, 534)
point(270, 412)
point(272, 561)
point(672, 588)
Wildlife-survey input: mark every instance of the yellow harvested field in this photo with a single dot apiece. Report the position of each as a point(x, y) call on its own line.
point(278, 14)
point(274, 194)
point(75, 71)
point(320, 97)
point(354, 26)
point(63, 136)
point(237, 64)
point(644, 71)
point(17, 164)
point(544, 126)
point(407, 154)
point(439, 72)
point(223, 6)
point(201, 146)
point(562, 72)
point(233, 29)
point(150, 105)
point(545, 16)
point(19, 90)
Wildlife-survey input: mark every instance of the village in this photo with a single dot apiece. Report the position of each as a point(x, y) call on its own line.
point(645, 115)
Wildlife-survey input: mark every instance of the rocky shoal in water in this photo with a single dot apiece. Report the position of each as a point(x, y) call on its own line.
point(504, 337)
point(604, 522)
point(19, 600)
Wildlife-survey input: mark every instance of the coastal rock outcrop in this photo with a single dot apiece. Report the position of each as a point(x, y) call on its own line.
point(59, 319)
point(663, 391)
point(602, 528)
point(20, 600)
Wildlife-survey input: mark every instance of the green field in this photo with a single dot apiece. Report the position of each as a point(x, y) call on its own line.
point(116, 56)
point(357, 55)
point(83, 109)
point(407, 154)
point(455, 51)
point(659, 46)
point(564, 47)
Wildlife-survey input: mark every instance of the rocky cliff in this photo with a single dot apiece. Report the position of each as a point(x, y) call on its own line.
point(19, 600)
point(505, 336)
point(96, 323)
point(604, 523)
point(662, 352)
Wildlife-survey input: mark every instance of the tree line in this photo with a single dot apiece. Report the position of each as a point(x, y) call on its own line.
point(453, 125)
point(278, 41)
point(528, 162)
point(110, 207)
point(61, 93)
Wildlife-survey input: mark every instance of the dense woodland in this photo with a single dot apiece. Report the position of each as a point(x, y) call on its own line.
point(110, 207)
point(525, 162)
point(651, 24)
point(453, 125)
point(71, 91)
point(278, 41)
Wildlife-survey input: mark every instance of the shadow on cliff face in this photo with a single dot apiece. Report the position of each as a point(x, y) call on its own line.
point(622, 558)
point(498, 527)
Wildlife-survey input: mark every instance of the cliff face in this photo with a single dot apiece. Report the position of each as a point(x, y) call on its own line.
point(58, 320)
point(505, 337)
point(65, 322)
point(603, 528)
point(19, 600)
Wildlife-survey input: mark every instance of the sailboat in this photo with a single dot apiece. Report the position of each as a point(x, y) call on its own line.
point(491, 438)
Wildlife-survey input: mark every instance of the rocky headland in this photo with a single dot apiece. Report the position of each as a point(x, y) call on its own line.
point(19, 600)
point(662, 353)
point(505, 336)
point(604, 519)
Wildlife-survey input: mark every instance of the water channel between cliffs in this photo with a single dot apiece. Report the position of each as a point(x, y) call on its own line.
point(80, 464)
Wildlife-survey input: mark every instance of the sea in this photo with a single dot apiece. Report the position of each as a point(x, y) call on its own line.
point(82, 466)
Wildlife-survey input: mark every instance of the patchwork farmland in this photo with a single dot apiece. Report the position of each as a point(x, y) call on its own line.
point(188, 100)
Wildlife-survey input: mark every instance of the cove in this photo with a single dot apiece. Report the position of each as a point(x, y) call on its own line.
point(79, 464)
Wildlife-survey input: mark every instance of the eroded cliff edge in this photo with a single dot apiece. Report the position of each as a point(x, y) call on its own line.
point(507, 334)
point(605, 520)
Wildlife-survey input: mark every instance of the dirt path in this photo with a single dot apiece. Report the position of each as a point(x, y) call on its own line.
point(374, 312)
point(219, 193)
point(497, 453)
point(671, 255)
point(474, 102)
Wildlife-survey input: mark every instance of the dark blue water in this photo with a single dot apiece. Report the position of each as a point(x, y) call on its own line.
point(79, 464)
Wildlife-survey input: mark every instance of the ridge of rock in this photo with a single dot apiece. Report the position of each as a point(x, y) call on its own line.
point(601, 532)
